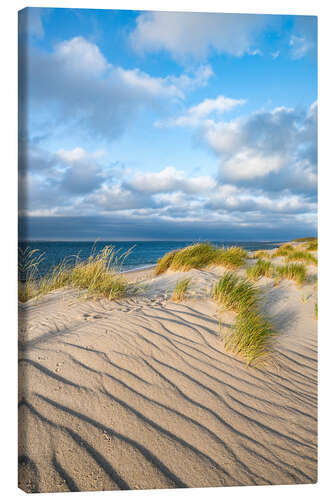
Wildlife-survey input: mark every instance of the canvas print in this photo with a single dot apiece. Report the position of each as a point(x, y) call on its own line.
point(167, 258)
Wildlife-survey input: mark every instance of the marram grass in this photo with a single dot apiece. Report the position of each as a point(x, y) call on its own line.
point(98, 276)
point(292, 271)
point(259, 269)
point(251, 335)
point(180, 290)
point(302, 256)
point(234, 293)
point(199, 256)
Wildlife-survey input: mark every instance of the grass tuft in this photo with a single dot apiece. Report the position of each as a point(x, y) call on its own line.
point(259, 269)
point(262, 254)
point(163, 264)
point(234, 293)
point(250, 336)
point(180, 290)
point(300, 255)
point(98, 275)
point(292, 271)
point(284, 250)
point(201, 255)
point(312, 246)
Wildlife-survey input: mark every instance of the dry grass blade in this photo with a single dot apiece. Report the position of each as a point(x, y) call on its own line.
point(180, 290)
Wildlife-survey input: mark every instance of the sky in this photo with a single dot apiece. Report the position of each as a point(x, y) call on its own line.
point(166, 125)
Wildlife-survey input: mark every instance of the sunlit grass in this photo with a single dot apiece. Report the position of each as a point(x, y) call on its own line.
point(312, 245)
point(292, 271)
point(262, 254)
point(234, 293)
point(180, 290)
point(284, 250)
point(98, 275)
point(301, 255)
point(259, 269)
point(199, 256)
point(251, 334)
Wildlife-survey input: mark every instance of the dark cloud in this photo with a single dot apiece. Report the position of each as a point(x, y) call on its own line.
point(120, 227)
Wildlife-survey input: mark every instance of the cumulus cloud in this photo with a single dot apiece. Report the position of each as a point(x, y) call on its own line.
point(206, 108)
point(76, 85)
point(186, 34)
point(273, 150)
point(168, 180)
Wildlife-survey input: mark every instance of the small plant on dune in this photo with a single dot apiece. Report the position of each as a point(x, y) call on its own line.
point(231, 258)
point(292, 271)
point(284, 250)
point(180, 290)
point(193, 257)
point(316, 310)
point(307, 239)
point(312, 245)
point(259, 269)
point(234, 293)
point(262, 254)
point(250, 336)
point(252, 332)
point(98, 276)
point(300, 255)
point(201, 255)
point(164, 263)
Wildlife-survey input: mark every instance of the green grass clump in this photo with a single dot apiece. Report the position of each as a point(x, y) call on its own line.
point(292, 271)
point(316, 310)
point(312, 245)
point(180, 290)
point(308, 238)
point(262, 254)
point(201, 255)
point(259, 269)
point(250, 336)
point(98, 276)
point(234, 293)
point(284, 250)
point(163, 264)
point(302, 256)
point(193, 257)
point(231, 258)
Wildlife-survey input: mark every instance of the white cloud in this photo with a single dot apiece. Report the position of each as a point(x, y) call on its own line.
point(76, 85)
point(196, 114)
point(249, 164)
point(168, 180)
point(275, 54)
point(195, 34)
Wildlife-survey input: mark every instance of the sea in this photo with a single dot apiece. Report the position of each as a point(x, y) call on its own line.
point(140, 254)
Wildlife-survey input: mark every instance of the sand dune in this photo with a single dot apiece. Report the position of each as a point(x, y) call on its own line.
point(139, 393)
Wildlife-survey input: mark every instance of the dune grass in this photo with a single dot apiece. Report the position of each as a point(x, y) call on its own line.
point(303, 256)
point(163, 264)
point(234, 293)
point(262, 254)
point(316, 310)
point(199, 256)
point(180, 290)
point(251, 334)
point(292, 271)
point(284, 250)
point(259, 269)
point(306, 239)
point(312, 246)
point(98, 276)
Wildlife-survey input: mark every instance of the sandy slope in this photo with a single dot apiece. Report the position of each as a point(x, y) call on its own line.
point(140, 393)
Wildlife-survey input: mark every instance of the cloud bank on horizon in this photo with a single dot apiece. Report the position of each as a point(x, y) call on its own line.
point(167, 125)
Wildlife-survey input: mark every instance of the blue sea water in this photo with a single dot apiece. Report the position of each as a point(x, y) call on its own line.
point(142, 253)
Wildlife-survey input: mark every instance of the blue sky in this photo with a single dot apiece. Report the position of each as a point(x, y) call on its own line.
point(157, 125)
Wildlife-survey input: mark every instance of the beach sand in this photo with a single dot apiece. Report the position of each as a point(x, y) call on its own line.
point(140, 394)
